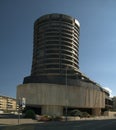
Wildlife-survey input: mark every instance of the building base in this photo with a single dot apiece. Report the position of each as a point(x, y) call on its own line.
point(54, 98)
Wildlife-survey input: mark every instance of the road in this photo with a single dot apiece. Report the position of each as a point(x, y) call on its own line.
point(75, 125)
point(79, 125)
point(1, 126)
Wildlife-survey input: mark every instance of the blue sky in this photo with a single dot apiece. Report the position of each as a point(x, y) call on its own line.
point(97, 48)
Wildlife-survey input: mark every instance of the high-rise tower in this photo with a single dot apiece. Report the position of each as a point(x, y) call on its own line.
point(56, 85)
point(56, 47)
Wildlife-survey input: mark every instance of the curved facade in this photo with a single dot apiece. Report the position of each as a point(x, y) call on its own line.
point(56, 45)
point(53, 98)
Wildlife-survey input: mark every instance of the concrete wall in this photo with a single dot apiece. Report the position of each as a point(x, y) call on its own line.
point(53, 97)
point(52, 94)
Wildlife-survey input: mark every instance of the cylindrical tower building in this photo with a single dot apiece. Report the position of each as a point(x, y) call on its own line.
point(56, 46)
point(56, 85)
point(56, 43)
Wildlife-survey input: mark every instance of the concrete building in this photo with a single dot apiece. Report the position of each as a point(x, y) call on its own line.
point(7, 103)
point(56, 83)
point(114, 103)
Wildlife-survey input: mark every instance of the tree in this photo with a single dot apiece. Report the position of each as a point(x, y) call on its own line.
point(30, 114)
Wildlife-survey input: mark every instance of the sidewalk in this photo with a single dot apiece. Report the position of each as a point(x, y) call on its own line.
point(15, 121)
point(30, 121)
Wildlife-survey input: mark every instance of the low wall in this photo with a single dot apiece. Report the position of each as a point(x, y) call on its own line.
point(110, 113)
point(90, 118)
point(15, 121)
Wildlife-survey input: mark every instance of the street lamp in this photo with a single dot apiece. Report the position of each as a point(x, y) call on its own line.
point(66, 92)
point(66, 97)
point(21, 106)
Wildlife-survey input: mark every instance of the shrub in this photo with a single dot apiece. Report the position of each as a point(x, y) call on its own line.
point(30, 114)
point(76, 112)
point(85, 114)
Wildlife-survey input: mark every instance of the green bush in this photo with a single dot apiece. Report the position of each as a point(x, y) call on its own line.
point(75, 112)
point(30, 114)
point(85, 114)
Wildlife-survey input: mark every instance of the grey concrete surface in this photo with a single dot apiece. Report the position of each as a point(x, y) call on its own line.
point(106, 124)
point(79, 125)
point(16, 121)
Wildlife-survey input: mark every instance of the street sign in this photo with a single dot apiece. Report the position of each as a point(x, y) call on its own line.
point(23, 102)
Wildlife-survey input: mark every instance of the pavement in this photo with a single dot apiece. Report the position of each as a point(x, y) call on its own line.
point(17, 121)
point(109, 124)
point(97, 123)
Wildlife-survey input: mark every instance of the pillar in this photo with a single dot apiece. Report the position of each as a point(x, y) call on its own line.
point(96, 111)
point(52, 110)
